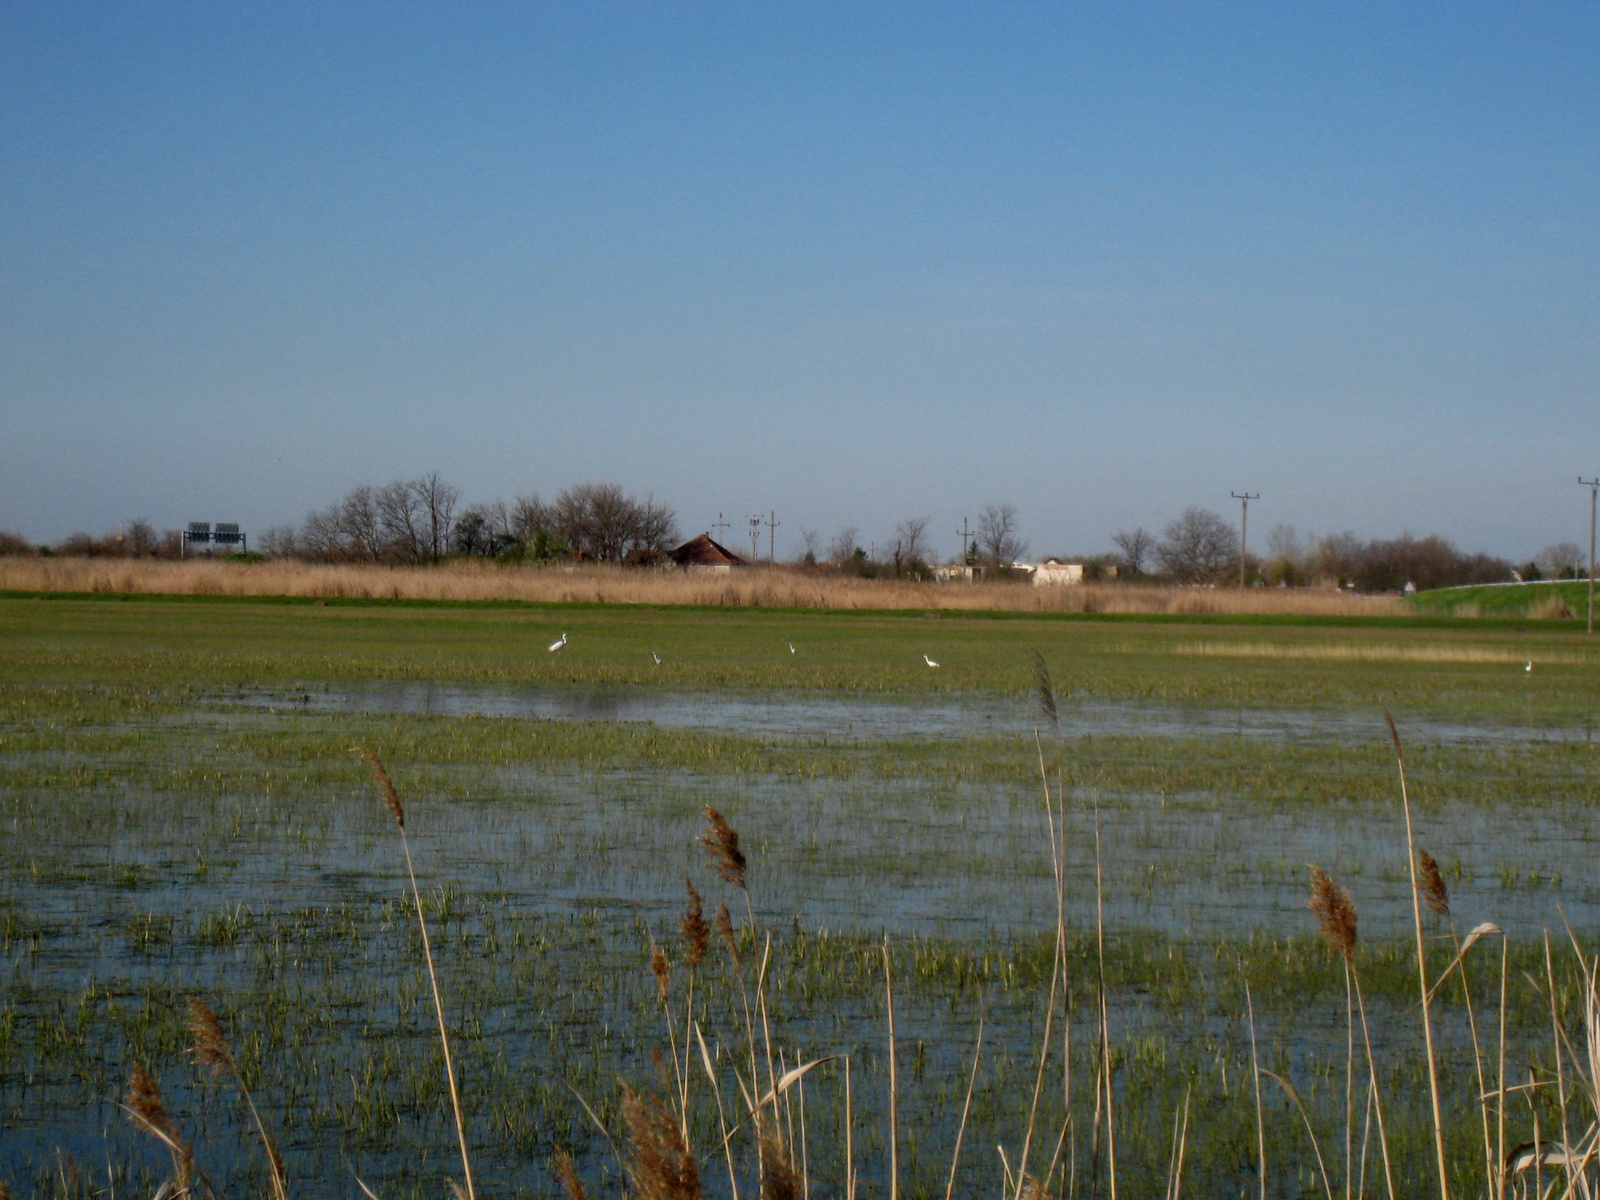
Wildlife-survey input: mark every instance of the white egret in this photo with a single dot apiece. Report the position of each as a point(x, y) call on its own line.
point(1529, 667)
point(791, 647)
point(656, 656)
point(929, 661)
point(558, 643)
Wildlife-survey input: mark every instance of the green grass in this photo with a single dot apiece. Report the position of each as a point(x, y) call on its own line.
point(1508, 601)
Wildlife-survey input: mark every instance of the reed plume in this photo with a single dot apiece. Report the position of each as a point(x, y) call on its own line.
point(778, 1178)
point(1046, 690)
point(722, 840)
point(1434, 893)
point(211, 1049)
point(567, 1174)
point(696, 933)
point(386, 788)
point(391, 797)
point(1336, 914)
point(144, 1106)
point(661, 969)
point(660, 1166)
point(725, 928)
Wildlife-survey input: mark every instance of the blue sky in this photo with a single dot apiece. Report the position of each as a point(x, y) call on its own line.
point(849, 262)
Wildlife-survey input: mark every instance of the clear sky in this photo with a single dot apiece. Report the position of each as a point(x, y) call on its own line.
point(850, 262)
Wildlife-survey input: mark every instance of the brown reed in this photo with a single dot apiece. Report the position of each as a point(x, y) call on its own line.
point(659, 1166)
point(696, 933)
point(661, 969)
point(567, 1175)
point(391, 797)
point(1336, 914)
point(144, 1106)
point(211, 1049)
point(722, 840)
point(1434, 893)
point(779, 1180)
point(589, 583)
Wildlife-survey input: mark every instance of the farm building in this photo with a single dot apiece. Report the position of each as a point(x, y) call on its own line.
point(705, 553)
point(1052, 572)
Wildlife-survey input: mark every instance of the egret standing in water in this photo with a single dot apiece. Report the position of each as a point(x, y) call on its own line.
point(558, 643)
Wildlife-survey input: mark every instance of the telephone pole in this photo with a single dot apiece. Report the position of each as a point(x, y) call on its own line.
point(772, 526)
point(755, 537)
point(1594, 487)
point(964, 536)
point(719, 526)
point(1244, 499)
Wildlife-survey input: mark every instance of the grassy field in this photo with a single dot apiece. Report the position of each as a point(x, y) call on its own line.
point(180, 815)
point(1563, 600)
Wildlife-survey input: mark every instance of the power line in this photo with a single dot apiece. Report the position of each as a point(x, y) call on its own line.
point(772, 526)
point(1594, 489)
point(1244, 499)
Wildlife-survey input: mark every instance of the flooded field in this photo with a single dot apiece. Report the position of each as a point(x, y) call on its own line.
point(810, 716)
point(197, 832)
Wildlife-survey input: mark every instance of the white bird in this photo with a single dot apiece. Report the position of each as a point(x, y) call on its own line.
point(1529, 667)
point(656, 656)
point(791, 647)
point(929, 661)
point(558, 643)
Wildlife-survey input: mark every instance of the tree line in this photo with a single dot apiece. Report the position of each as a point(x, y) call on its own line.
point(419, 520)
point(422, 520)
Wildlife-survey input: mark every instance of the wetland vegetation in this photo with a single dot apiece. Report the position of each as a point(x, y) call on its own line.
point(181, 816)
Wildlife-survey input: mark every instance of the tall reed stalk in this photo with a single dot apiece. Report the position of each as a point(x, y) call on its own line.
point(1422, 968)
point(391, 797)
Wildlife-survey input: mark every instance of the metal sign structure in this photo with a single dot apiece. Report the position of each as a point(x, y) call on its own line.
point(226, 533)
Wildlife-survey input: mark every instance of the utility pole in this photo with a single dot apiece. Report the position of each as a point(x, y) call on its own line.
point(1244, 499)
point(772, 526)
point(1594, 487)
point(719, 526)
point(755, 537)
point(964, 536)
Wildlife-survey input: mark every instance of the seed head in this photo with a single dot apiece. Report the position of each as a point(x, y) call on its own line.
point(210, 1047)
point(725, 928)
point(1336, 915)
point(660, 968)
point(696, 933)
point(659, 1164)
point(1431, 884)
point(385, 786)
point(567, 1173)
point(722, 841)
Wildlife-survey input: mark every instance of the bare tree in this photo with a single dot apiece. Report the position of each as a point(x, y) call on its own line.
point(602, 522)
point(360, 524)
point(843, 547)
point(1198, 547)
point(1564, 560)
point(908, 551)
point(142, 539)
point(437, 501)
point(1285, 556)
point(280, 541)
point(810, 547)
point(402, 521)
point(996, 539)
point(1136, 546)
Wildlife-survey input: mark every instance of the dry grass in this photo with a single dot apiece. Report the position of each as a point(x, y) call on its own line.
point(755, 587)
point(1373, 652)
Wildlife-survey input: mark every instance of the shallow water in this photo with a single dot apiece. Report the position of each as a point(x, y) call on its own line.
point(812, 716)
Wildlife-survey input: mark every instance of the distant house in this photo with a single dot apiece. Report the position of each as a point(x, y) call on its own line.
point(1052, 572)
point(705, 553)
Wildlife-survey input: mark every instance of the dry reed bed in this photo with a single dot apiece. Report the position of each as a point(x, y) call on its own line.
point(755, 587)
